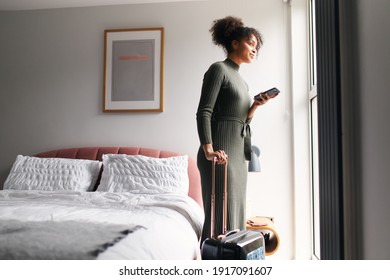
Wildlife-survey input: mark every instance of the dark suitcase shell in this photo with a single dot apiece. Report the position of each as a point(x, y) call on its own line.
point(242, 245)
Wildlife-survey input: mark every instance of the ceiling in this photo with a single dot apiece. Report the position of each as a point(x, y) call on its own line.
point(9, 5)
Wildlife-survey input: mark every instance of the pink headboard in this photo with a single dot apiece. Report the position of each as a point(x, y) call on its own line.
point(96, 153)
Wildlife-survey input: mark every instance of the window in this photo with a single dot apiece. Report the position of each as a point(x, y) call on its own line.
point(314, 135)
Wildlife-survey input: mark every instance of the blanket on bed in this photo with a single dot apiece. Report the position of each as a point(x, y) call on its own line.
point(60, 240)
point(175, 219)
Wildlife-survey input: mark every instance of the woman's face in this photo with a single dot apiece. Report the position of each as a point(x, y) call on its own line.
point(245, 49)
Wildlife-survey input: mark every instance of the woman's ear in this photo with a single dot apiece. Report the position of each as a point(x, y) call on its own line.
point(235, 44)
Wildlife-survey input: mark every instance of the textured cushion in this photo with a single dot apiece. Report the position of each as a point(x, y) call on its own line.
point(142, 174)
point(52, 174)
point(96, 153)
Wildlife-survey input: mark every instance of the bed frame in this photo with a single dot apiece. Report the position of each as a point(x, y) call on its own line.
point(96, 153)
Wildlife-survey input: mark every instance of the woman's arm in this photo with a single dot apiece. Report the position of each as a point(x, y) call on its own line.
point(256, 103)
point(212, 83)
point(210, 154)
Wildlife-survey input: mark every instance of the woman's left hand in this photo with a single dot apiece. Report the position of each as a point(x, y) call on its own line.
point(256, 103)
point(261, 100)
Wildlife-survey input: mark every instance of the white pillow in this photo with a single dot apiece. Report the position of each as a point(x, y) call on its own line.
point(142, 174)
point(53, 174)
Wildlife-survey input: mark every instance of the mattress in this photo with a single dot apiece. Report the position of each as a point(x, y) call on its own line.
point(162, 226)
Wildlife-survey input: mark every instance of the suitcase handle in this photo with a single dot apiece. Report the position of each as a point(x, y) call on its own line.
point(224, 199)
point(230, 232)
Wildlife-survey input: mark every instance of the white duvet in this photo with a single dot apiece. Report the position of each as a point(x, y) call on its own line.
point(171, 223)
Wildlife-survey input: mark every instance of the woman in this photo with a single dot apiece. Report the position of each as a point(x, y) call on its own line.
point(223, 116)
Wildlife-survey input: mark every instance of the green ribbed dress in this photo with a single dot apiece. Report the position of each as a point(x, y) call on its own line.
point(221, 116)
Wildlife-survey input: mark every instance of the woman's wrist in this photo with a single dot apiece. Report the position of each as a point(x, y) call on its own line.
point(208, 149)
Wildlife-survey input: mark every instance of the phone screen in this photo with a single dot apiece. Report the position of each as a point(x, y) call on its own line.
point(271, 93)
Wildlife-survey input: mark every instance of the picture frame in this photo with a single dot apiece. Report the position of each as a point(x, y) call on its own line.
point(133, 70)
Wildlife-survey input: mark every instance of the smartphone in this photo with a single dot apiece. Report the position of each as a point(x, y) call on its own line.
point(271, 93)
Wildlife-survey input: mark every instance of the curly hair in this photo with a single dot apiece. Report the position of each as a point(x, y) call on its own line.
point(225, 30)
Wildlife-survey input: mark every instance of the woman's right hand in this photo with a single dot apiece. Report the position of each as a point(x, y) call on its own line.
point(219, 155)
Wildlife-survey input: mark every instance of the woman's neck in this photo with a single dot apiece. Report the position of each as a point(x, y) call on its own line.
point(235, 59)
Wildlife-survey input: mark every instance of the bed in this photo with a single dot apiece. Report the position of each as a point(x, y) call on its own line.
point(102, 203)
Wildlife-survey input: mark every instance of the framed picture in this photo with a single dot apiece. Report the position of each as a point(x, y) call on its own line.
point(133, 70)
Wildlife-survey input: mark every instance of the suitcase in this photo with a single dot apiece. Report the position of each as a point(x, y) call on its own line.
point(232, 245)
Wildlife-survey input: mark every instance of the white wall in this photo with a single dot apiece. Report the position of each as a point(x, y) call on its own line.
point(365, 70)
point(373, 82)
point(51, 70)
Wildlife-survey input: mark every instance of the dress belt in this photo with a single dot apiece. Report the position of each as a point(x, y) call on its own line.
point(246, 129)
